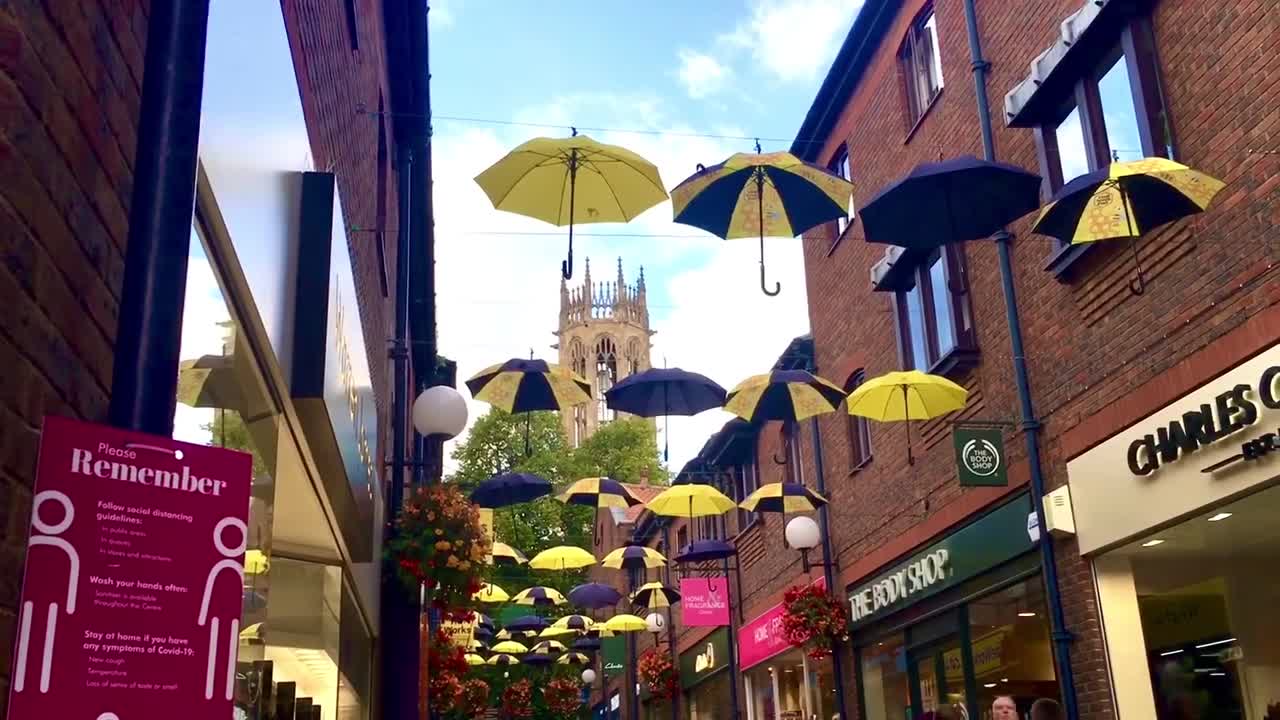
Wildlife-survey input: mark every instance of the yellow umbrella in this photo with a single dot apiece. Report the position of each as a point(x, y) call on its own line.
point(904, 396)
point(693, 500)
point(571, 180)
point(507, 634)
point(510, 647)
point(625, 623)
point(476, 645)
point(503, 659)
point(473, 659)
point(256, 562)
point(556, 631)
point(489, 593)
point(562, 557)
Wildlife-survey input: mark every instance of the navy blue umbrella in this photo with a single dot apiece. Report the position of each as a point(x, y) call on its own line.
point(663, 392)
point(510, 489)
point(949, 202)
point(704, 550)
point(586, 644)
point(594, 596)
point(526, 623)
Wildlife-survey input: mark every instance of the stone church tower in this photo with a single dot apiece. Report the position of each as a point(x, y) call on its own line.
point(604, 337)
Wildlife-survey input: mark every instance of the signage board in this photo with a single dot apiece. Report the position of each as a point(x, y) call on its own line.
point(705, 659)
point(980, 458)
point(133, 585)
point(704, 601)
point(762, 638)
point(614, 652)
point(999, 536)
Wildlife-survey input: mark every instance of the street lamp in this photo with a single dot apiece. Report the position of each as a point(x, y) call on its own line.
point(803, 534)
point(440, 411)
point(656, 623)
point(588, 676)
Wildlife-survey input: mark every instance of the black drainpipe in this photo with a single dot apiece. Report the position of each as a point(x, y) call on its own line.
point(144, 379)
point(1030, 424)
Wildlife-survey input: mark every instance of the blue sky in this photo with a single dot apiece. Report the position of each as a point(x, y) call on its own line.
point(692, 76)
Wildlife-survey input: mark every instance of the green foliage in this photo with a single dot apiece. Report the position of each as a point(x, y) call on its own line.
point(229, 431)
point(625, 450)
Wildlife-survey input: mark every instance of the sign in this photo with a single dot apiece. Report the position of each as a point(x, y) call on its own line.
point(460, 634)
point(705, 659)
point(614, 650)
point(997, 537)
point(988, 658)
point(980, 459)
point(762, 638)
point(132, 590)
point(330, 381)
point(704, 602)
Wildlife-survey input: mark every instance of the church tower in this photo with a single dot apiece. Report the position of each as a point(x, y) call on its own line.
point(604, 337)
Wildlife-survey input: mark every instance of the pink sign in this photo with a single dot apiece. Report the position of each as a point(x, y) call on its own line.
point(763, 638)
point(704, 602)
point(132, 591)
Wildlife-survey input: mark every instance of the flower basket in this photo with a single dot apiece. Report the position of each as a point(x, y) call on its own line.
point(439, 542)
point(517, 700)
point(474, 699)
point(563, 698)
point(658, 674)
point(446, 666)
point(814, 619)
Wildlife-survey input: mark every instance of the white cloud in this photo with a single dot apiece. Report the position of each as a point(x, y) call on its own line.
point(443, 14)
point(202, 310)
point(701, 74)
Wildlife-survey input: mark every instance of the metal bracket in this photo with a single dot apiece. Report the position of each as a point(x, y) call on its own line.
point(982, 423)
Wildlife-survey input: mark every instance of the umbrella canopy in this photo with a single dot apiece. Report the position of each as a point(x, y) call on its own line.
point(783, 497)
point(598, 631)
point(634, 557)
point(587, 643)
point(693, 500)
point(599, 492)
point(759, 195)
point(562, 557)
point(537, 659)
point(538, 595)
point(555, 631)
point(484, 633)
point(506, 634)
point(574, 622)
point(594, 596)
point(489, 593)
point(501, 659)
point(504, 554)
point(473, 659)
point(1125, 200)
point(548, 646)
point(787, 395)
point(476, 646)
point(665, 391)
point(484, 621)
point(510, 647)
point(625, 623)
point(526, 623)
point(967, 199)
point(523, 385)
point(655, 595)
point(704, 550)
point(571, 180)
point(906, 396)
point(256, 562)
point(510, 489)
point(574, 658)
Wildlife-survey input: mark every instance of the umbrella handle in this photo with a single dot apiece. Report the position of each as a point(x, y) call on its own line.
point(1138, 285)
point(566, 267)
point(777, 286)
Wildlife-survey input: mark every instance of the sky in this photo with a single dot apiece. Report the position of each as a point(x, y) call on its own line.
point(679, 83)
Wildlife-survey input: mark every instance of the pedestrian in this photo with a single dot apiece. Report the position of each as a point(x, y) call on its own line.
point(1046, 709)
point(1004, 708)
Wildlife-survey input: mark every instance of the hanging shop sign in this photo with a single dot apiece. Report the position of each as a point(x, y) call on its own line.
point(980, 459)
point(704, 602)
point(614, 650)
point(762, 638)
point(330, 384)
point(997, 537)
point(705, 659)
point(132, 590)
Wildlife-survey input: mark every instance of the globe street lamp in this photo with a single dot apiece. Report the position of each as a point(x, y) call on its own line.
point(803, 534)
point(440, 411)
point(656, 623)
point(588, 676)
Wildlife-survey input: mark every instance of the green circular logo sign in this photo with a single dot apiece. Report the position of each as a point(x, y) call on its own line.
point(980, 457)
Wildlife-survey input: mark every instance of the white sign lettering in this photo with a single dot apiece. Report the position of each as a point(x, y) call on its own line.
point(895, 588)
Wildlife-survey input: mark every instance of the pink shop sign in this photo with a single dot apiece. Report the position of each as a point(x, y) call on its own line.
point(762, 638)
point(704, 602)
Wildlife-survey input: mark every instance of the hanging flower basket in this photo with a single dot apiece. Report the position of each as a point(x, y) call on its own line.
point(658, 674)
point(474, 699)
point(517, 700)
point(814, 619)
point(445, 667)
point(563, 698)
point(439, 542)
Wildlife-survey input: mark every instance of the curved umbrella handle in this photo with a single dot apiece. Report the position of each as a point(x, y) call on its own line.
point(777, 286)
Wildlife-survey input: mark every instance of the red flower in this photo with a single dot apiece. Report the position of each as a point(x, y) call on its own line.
point(814, 619)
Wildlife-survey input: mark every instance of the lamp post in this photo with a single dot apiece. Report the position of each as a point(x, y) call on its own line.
point(803, 534)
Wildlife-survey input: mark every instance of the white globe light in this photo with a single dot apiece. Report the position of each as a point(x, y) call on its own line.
point(656, 622)
point(802, 533)
point(588, 676)
point(440, 410)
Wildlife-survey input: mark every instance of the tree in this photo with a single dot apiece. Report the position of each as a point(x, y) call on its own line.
point(625, 450)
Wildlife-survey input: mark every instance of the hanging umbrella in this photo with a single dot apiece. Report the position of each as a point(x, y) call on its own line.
point(562, 557)
point(555, 631)
point(473, 659)
point(783, 497)
point(586, 643)
point(483, 621)
point(655, 595)
point(599, 492)
point(574, 658)
point(538, 595)
point(489, 593)
point(503, 660)
point(574, 622)
point(504, 554)
point(526, 624)
point(256, 562)
point(523, 385)
point(571, 180)
point(537, 659)
point(706, 550)
point(594, 596)
point(693, 500)
point(905, 396)
point(508, 634)
point(476, 646)
point(625, 623)
point(634, 557)
point(787, 395)
point(598, 631)
point(966, 199)
point(547, 647)
point(664, 392)
point(483, 633)
point(1125, 200)
point(510, 489)
point(773, 194)
point(510, 647)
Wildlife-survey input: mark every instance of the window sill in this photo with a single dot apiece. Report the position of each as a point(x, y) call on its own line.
point(840, 237)
point(956, 362)
point(858, 468)
point(924, 115)
point(1065, 261)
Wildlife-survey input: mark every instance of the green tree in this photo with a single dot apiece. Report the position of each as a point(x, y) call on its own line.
point(625, 450)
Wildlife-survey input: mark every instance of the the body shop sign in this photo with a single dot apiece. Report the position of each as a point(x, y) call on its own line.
point(762, 638)
point(704, 602)
point(132, 591)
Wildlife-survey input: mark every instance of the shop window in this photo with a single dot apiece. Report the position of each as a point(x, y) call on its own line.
point(886, 692)
point(840, 166)
point(1009, 643)
point(857, 429)
point(935, 322)
point(920, 65)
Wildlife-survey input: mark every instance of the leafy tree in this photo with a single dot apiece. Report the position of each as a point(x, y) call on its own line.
point(625, 450)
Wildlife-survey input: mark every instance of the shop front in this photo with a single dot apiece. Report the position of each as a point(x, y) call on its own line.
point(705, 680)
point(1180, 513)
point(956, 625)
point(782, 681)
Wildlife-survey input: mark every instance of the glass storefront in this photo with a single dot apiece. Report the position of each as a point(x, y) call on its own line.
point(710, 699)
point(791, 686)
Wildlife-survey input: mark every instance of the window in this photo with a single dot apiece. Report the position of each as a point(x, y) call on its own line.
point(748, 479)
point(920, 66)
point(840, 166)
point(935, 324)
point(858, 429)
point(606, 376)
point(383, 169)
point(353, 29)
point(790, 436)
point(682, 538)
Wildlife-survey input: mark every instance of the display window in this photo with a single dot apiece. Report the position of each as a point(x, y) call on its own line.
point(791, 686)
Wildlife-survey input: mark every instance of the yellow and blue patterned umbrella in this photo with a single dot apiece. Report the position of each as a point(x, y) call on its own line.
point(770, 194)
point(783, 497)
point(574, 622)
point(538, 595)
point(634, 557)
point(786, 395)
point(523, 385)
point(599, 492)
point(574, 658)
point(504, 554)
point(546, 647)
point(655, 595)
point(503, 659)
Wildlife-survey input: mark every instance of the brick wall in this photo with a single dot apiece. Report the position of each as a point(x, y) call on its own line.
point(1089, 342)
